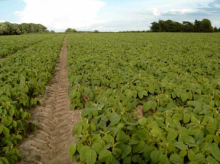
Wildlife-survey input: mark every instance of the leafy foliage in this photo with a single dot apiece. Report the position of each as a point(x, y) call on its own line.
point(70, 30)
point(7, 28)
point(23, 78)
point(171, 26)
point(11, 44)
point(176, 79)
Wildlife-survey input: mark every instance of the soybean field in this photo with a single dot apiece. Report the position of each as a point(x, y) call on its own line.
point(145, 98)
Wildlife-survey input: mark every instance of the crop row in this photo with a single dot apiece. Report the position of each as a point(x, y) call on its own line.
point(11, 44)
point(146, 98)
point(23, 78)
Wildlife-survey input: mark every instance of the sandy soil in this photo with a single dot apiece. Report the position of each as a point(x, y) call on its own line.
point(54, 121)
point(140, 112)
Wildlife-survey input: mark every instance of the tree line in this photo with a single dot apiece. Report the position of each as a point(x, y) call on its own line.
point(72, 30)
point(7, 28)
point(172, 26)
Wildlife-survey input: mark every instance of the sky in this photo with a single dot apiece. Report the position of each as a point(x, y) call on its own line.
point(107, 15)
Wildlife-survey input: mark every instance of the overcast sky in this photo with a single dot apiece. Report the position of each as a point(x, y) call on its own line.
point(107, 15)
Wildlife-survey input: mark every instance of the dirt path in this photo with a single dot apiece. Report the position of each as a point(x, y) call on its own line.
point(54, 122)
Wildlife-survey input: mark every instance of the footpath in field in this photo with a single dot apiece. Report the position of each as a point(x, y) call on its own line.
point(54, 121)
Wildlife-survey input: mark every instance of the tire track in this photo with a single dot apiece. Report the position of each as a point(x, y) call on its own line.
point(54, 122)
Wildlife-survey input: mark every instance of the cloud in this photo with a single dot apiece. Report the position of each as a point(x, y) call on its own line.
point(59, 15)
point(108, 15)
point(157, 13)
point(212, 8)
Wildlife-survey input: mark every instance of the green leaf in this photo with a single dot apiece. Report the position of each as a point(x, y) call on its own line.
point(142, 134)
point(186, 118)
point(90, 156)
point(129, 93)
point(111, 160)
point(103, 155)
point(156, 155)
point(83, 152)
point(209, 138)
point(108, 138)
point(11, 112)
point(24, 115)
point(180, 145)
point(172, 135)
point(138, 147)
point(114, 119)
point(149, 105)
point(212, 128)
point(1, 128)
point(175, 158)
point(122, 137)
point(3, 160)
point(183, 153)
point(142, 121)
point(97, 147)
point(140, 95)
point(184, 97)
point(200, 158)
point(195, 103)
point(215, 151)
point(147, 151)
point(211, 160)
point(72, 149)
point(191, 155)
point(188, 139)
point(178, 116)
point(6, 131)
point(127, 160)
point(126, 149)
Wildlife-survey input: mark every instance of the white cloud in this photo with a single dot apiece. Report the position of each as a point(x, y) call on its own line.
point(180, 11)
point(111, 16)
point(59, 15)
point(155, 12)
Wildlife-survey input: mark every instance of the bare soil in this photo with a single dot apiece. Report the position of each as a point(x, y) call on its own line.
point(54, 122)
point(140, 112)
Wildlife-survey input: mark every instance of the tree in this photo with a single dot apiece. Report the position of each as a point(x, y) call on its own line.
point(207, 25)
point(96, 31)
point(188, 26)
point(74, 30)
point(203, 26)
point(215, 29)
point(70, 30)
point(171, 26)
point(161, 26)
point(168, 26)
point(3, 29)
point(155, 27)
point(16, 29)
point(8, 28)
point(25, 28)
point(52, 31)
point(198, 26)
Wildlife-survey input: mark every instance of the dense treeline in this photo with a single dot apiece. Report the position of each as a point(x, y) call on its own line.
point(70, 30)
point(171, 26)
point(7, 28)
